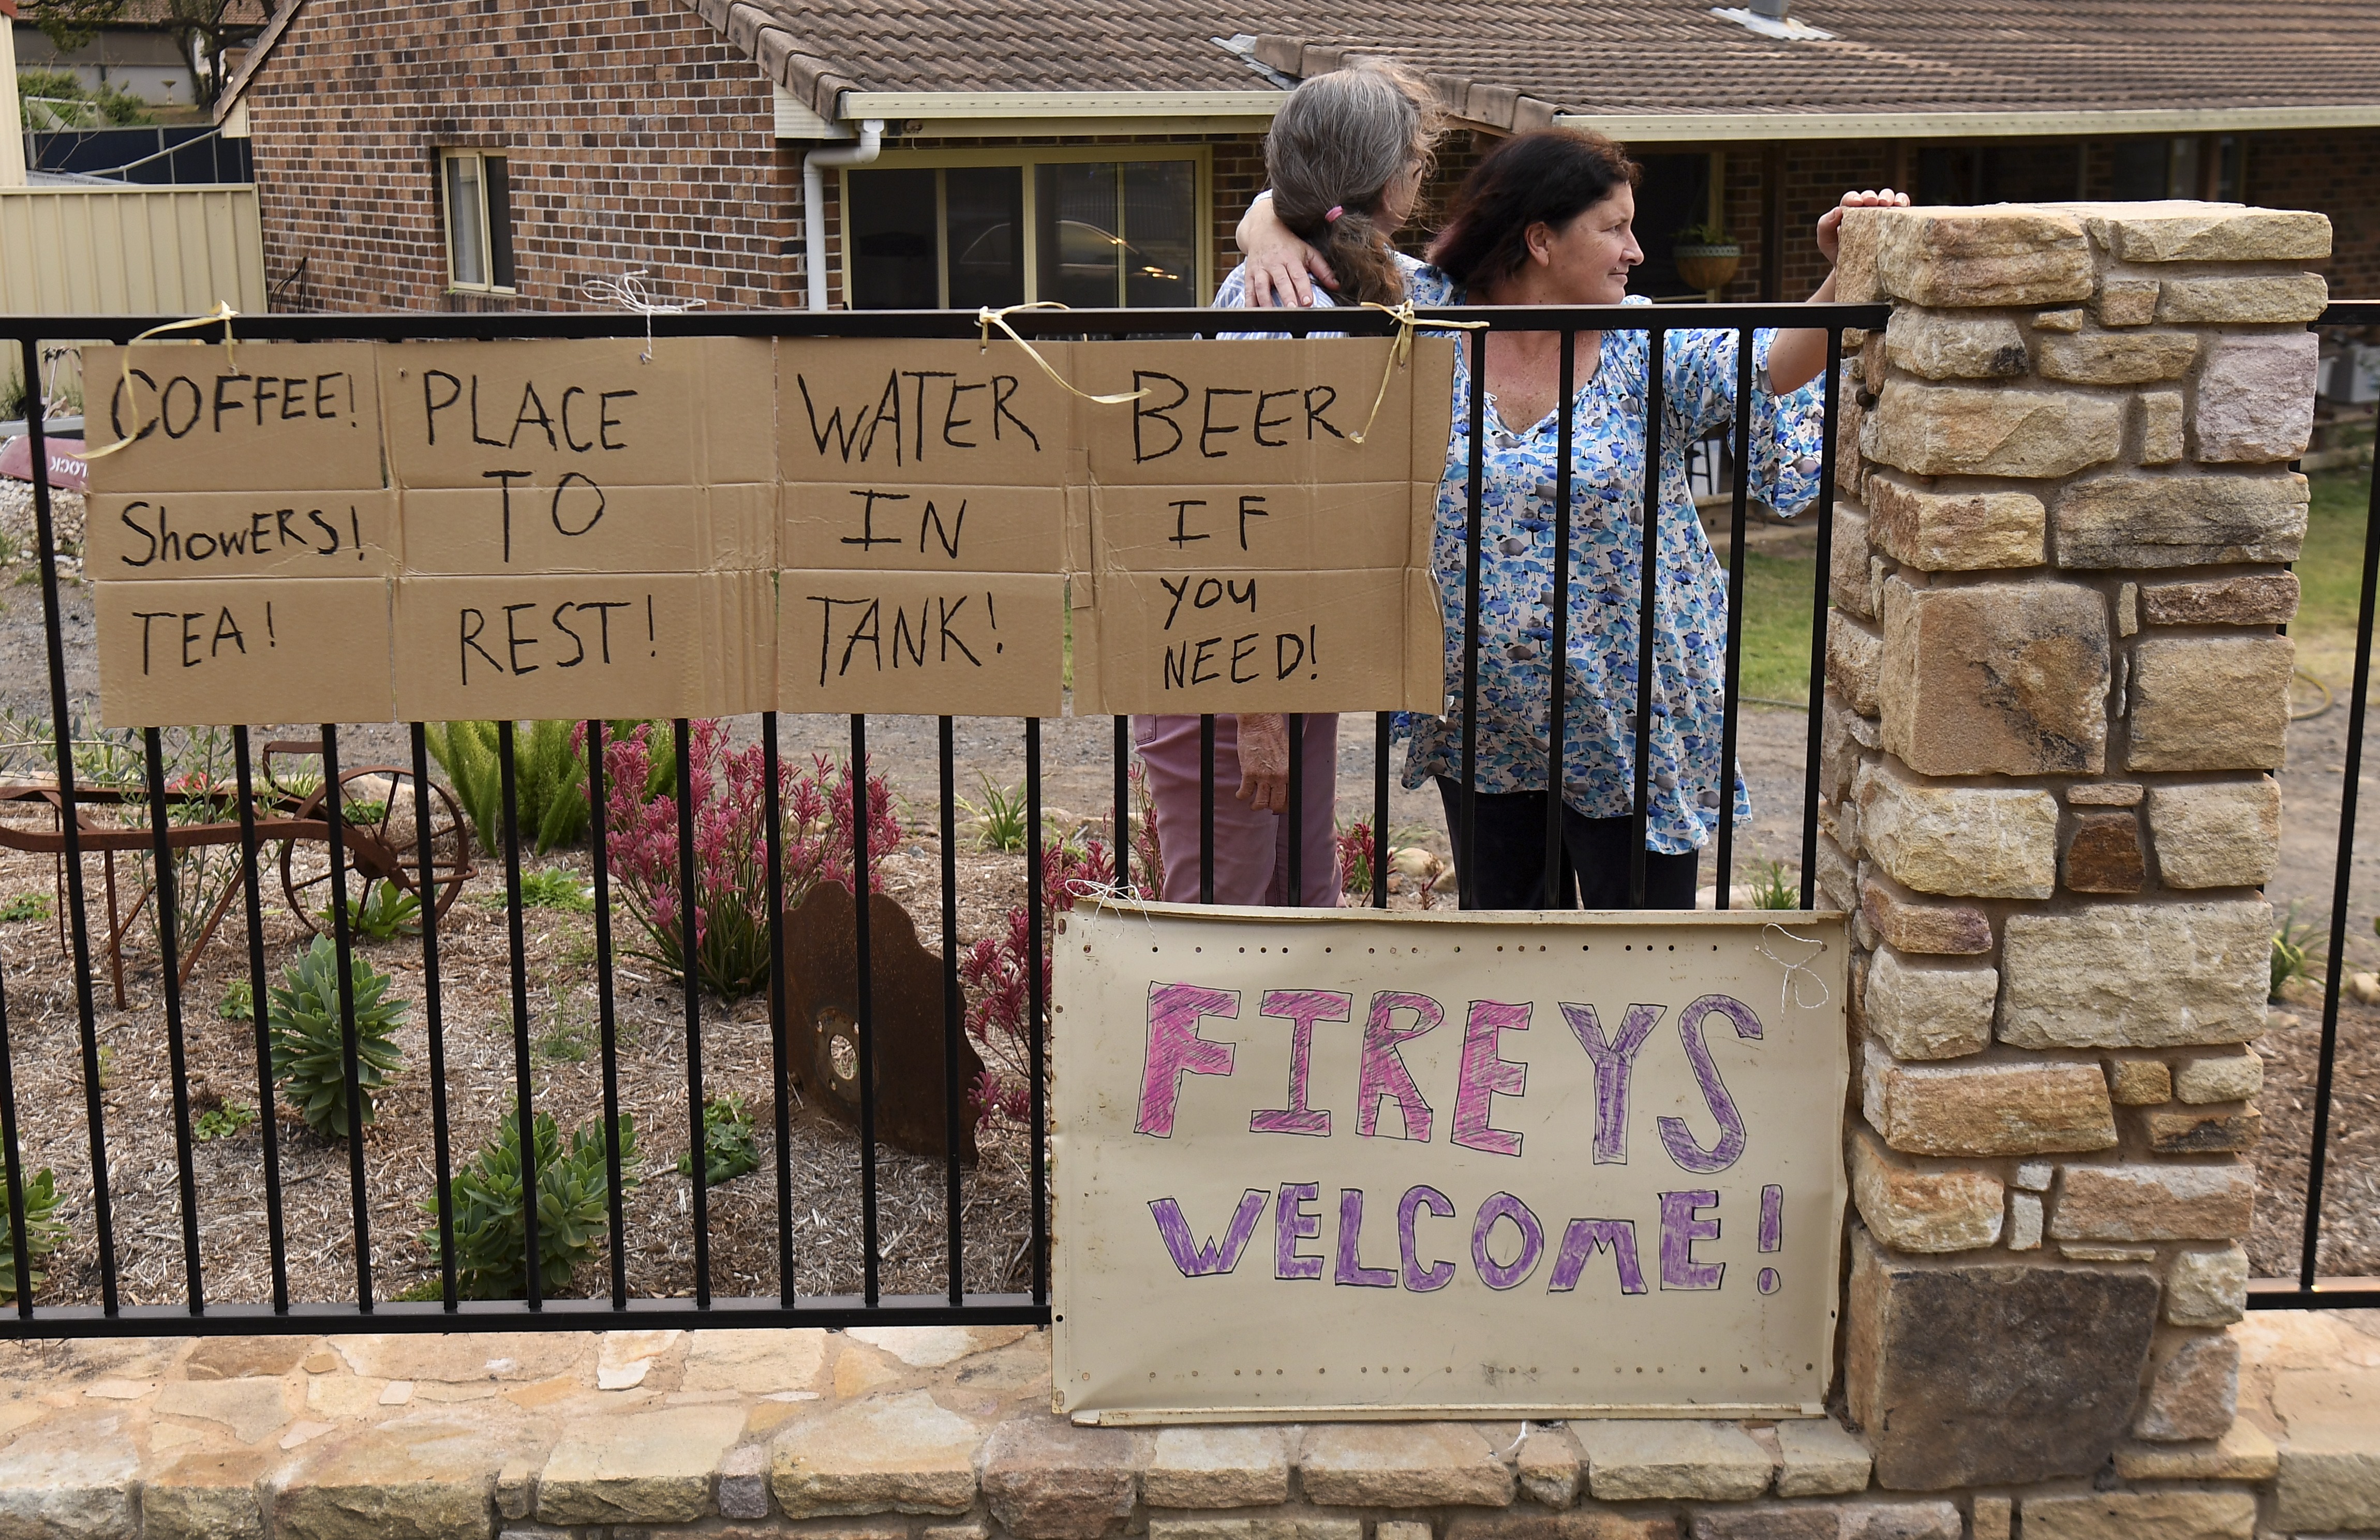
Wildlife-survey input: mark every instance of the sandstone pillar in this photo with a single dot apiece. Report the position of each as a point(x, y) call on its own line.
point(2055, 695)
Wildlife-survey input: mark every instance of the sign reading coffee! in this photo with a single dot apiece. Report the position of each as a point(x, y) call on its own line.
point(704, 526)
point(1312, 1163)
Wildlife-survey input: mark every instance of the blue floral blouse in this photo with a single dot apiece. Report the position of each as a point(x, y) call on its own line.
point(1606, 542)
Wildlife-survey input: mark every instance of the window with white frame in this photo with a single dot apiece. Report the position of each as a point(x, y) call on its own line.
point(1006, 230)
point(477, 195)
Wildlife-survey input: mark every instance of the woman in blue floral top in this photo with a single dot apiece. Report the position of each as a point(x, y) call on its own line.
point(1544, 219)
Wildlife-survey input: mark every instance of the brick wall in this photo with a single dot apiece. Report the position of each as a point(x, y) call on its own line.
point(636, 138)
point(2336, 172)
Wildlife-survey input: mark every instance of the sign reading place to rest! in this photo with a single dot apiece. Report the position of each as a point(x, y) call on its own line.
point(1445, 1165)
point(721, 524)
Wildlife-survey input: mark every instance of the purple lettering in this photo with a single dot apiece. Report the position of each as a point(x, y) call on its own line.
point(1506, 1275)
point(1680, 1228)
point(1303, 1008)
point(1675, 1135)
point(1383, 1072)
point(1290, 1224)
point(1438, 1275)
point(1202, 1259)
point(1583, 1240)
point(1772, 1219)
point(1176, 1049)
point(1486, 1075)
point(1612, 1063)
point(1351, 1238)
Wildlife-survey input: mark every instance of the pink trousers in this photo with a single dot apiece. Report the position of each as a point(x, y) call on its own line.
point(1251, 848)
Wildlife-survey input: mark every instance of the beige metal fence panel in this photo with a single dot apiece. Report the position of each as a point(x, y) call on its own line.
point(133, 251)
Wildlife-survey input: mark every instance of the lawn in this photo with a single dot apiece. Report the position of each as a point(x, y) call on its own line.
point(2330, 575)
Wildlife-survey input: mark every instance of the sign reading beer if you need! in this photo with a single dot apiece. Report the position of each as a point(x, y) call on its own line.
point(366, 532)
point(1327, 1164)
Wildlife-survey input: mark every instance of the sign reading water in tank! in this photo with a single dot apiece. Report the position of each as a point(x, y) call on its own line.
point(1315, 1164)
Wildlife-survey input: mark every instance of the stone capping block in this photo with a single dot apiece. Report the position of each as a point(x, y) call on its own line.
point(1949, 531)
point(2163, 1201)
point(892, 1454)
point(207, 1495)
point(1966, 842)
point(1994, 1109)
point(2245, 1452)
point(412, 1478)
point(2185, 230)
point(1990, 430)
point(1402, 1465)
point(1820, 1458)
point(1995, 678)
point(1709, 1461)
point(2136, 975)
point(1929, 1012)
point(2253, 598)
point(1218, 1467)
point(2179, 519)
point(1549, 1465)
point(2210, 703)
point(2137, 1515)
point(1045, 1479)
point(1923, 1211)
point(1964, 259)
point(1949, 1368)
point(647, 1467)
point(2329, 1477)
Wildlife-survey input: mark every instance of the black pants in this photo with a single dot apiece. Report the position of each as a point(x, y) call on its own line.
point(1509, 869)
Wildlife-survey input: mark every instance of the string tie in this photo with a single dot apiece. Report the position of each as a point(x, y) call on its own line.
point(222, 312)
point(1401, 349)
point(1790, 990)
point(1115, 895)
point(986, 318)
point(629, 293)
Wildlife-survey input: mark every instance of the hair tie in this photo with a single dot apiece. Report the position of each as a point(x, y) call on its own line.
point(1332, 217)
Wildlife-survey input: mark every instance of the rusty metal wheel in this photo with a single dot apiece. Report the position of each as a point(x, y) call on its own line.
point(380, 844)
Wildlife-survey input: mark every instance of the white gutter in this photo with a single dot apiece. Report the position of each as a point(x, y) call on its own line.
point(871, 142)
point(1704, 128)
point(1059, 103)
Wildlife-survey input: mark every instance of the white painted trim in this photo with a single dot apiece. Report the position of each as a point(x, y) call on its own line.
point(795, 121)
point(1059, 103)
point(234, 122)
point(1710, 127)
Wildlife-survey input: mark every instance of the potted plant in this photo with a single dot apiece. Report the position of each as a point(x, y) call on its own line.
point(1706, 256)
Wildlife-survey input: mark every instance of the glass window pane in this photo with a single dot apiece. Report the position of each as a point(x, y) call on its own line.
point(888, 262)
point(985, 207)
point(1074, 218)
point(463, 219)
point(1161, 232)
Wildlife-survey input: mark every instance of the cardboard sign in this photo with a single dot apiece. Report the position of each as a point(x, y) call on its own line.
point(304, 417)
point(856, 412)
point(572, 524)
point(913, 526)
point(1224, 640)
point(483, 413)
point(974, 644)
point(586, 645)
point(186, 534)
point(1445, 1165)
point(241, 651)
point(1266, 528)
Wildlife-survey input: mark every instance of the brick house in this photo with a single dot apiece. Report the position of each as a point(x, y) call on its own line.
point(500, 153)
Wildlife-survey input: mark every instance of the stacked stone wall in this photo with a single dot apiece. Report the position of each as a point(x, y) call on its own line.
point(2056, 692)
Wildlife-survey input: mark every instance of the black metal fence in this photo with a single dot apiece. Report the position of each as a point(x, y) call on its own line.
point(198, 1312)
point(2309, 1290)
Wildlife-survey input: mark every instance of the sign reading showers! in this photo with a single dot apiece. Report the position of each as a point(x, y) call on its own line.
point(705, 526)
point(1315, 1164)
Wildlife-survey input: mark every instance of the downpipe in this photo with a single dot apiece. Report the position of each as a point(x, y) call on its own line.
point(871, 143)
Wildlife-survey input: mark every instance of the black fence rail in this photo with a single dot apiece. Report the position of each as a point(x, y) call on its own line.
point(2309, 1290)
point(1025, 1297)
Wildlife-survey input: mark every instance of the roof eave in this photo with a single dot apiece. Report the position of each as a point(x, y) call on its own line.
point(1711, 128)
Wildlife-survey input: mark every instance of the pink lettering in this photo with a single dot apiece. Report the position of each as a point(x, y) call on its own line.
point(1486, 1076)
point(1303, 1008)
point(1175, 1048)
point(1383, 1073)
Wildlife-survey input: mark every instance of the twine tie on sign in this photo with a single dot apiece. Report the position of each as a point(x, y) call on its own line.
point(1401, 350)
point(629, 293)
point(1115, 895)
point(1790, 990)
point(986, 318)
point(222, 312)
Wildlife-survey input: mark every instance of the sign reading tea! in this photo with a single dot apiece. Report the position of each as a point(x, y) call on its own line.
point(1314, 1163)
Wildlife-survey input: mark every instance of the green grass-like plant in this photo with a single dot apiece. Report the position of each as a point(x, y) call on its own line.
point(382, 911)
point(726, 1142)
point(1775, 887)
point(238, 1003)
point(573, 1207)
point(43, 1232)
point(554, 888)
point(1000, 820)
point(2297, 949)
point(549, 780)
point(24, 906)
point(307, 1057)
point(222, 1123)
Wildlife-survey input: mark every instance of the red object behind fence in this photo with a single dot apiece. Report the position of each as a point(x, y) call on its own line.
point(64, 456)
